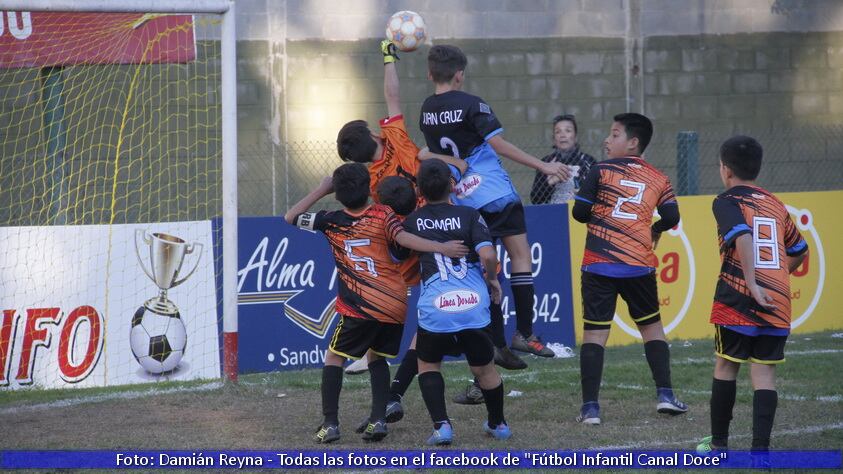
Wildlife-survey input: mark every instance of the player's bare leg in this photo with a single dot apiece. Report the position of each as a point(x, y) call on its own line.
point(521, 282)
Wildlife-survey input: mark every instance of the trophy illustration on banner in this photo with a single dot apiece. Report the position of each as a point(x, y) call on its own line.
point(158, 337)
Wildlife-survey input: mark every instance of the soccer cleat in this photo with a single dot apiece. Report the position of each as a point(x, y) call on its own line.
point(508, 360)
point(327, 434)
point(375, 431)
point(472, 395)
point(589, 414)
point(501, 432)
point(359, 366)
point(531, 344)
point(668, 403)
point(707, 447)
point(394, 412)
point(441, 437)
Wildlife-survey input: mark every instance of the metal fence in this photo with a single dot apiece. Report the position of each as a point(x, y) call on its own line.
point(795, 159)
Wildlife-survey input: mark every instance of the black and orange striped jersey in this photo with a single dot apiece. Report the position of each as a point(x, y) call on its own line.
point(755, 211)
point(623, 193)
point(400, 156)
point(370, 282)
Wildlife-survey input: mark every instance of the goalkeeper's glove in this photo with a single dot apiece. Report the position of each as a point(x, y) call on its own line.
point(390, 52)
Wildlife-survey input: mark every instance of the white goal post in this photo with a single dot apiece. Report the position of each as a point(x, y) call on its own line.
point(226, 9)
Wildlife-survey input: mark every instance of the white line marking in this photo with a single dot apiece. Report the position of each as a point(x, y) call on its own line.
point(106, 397)
point(693, 442)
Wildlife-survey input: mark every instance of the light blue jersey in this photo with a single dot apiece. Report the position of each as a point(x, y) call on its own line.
point(460, 301)
point(484, 181)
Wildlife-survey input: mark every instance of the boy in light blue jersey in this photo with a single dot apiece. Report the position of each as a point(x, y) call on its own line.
point(454, 302)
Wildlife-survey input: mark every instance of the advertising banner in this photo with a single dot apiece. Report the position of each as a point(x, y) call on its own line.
point(82, 306)
point(689, 264)
point(40, 39)
point(287, 289)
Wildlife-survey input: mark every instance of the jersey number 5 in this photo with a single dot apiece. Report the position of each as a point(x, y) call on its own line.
point(635, 199)
point(357, 259)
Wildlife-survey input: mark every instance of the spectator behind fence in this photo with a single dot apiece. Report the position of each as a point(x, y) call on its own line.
point(567, 151)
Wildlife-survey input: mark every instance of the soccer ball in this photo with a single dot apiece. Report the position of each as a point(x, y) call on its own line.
point(406, 30)
point(157, 340)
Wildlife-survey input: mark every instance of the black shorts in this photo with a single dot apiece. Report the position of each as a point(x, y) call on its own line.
point(600, 297)
point(508, 221)
point(476, 344)
point(740, 348)
point(354, 336)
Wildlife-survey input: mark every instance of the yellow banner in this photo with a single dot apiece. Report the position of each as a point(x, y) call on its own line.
point(689, 263)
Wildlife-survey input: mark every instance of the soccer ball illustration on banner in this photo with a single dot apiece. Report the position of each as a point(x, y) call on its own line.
point(406, 30)
point(157, 340)
point(158, 337)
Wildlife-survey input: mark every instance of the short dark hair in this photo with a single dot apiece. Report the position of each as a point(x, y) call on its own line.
point(351, 185)
point(566, 118)
point(742, 155)
point(398, 193)
point(434, 179)
point(636, 126)
point(443, 62)
point(355, 142)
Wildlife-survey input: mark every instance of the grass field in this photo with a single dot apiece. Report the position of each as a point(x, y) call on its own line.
point(281, 410)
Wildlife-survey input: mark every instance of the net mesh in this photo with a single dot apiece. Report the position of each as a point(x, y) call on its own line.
point(109, 124)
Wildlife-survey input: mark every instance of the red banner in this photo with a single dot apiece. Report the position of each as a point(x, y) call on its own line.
point(39, 39)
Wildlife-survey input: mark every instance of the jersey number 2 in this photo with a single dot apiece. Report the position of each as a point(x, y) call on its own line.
point(357, 259)
point(635, 199)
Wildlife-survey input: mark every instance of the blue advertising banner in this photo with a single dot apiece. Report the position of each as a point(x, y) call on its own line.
point(287, 285)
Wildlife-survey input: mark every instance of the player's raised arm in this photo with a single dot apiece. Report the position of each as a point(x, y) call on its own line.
point(325, 188)
point(426, 154)
point(504, 148)
point(391, 88)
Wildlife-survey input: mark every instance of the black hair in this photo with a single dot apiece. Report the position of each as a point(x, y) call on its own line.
point(398, 193)
point(355, 142)
point(351, 185)
point(434, 179)
point(636, 126)
point(566, 118)
point(742, 155)
point(444, 61)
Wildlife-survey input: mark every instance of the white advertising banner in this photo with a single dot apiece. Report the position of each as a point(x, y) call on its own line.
point(79, 310)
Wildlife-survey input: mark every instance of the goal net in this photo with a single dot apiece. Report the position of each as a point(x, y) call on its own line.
point(110, 198)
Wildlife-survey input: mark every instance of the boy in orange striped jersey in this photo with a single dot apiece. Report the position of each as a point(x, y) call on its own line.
point(617, 200)
point(760, 247)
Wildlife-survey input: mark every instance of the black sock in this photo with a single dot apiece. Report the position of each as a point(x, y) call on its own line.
point(522, 292)
point(404, 376)
point(764, 404)
point(721, 404)
point(494, 405)
point(496, 326)
point(432, 387)
point(379, 378)
point(331, 386)
point(591, 370)
point(658, 356)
